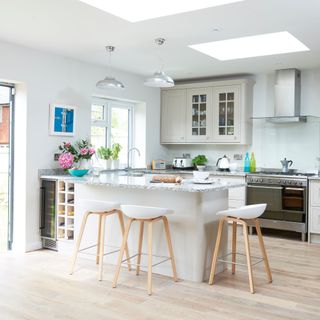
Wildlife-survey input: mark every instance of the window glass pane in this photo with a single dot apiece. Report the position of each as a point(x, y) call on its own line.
point(97, 112)
point(120, 130)
point(4, 95)
point(98, 137)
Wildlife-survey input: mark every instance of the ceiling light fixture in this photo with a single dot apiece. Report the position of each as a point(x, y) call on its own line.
point(109, 82)
point(253, 46)
point(140, 10)
point(159, 78)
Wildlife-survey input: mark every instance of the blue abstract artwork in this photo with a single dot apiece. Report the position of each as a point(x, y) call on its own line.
point(63, 120)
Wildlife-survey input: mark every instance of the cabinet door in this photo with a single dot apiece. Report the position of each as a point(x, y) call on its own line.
point(199, 115)
point(315, 193)
point(226, 102)
point(173, 116)
point(314, 219)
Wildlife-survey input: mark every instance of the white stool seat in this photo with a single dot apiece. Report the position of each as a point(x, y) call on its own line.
point(97, 206)
point(143, 212)
point(252, 211)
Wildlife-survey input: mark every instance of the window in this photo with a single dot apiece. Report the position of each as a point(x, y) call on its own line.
point(112, 123)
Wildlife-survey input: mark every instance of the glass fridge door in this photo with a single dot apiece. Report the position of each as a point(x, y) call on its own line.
point(48, 209)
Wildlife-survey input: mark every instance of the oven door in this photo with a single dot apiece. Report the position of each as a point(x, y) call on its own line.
point(271, 195)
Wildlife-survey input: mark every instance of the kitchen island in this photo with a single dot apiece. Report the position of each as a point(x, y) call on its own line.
point(193, 225)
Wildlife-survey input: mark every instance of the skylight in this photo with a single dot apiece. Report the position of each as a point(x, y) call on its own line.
point(138, 10)
point(253, 46)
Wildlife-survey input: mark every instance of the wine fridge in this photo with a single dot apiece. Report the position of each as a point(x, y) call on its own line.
point(48, 217)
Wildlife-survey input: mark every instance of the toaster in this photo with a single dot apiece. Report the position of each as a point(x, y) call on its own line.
point(182, 163)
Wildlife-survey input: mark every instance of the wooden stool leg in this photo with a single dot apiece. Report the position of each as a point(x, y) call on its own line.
point(216, 251)
point(234, 246)
point(140, 247)
point(121, 253)
point(246, 241)
point(150, 257)
point(98, 241)
point(263, 250)
point(169, 242)
point(77, 247)
point(101, 245)
point(120, 216)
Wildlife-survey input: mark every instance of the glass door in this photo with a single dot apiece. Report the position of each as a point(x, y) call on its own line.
point(227, 114)
point(6, 169)
point(199, 115)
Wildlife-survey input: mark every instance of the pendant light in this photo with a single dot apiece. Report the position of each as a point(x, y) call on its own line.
point(159, 78)
point(109, 82)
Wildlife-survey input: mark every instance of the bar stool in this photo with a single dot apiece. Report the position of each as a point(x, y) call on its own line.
point(150, 215)
point(102, 209)
point(238, 216)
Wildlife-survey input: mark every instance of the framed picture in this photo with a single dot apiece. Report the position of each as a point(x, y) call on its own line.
point(62, 120)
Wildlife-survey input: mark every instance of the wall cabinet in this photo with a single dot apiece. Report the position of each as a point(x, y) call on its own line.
point(314, 211)
point(212, 112)
point(173, 116)
point(199, 115)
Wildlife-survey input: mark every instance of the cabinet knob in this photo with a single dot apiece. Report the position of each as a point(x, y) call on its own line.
point(182, 138)
point(208, 138)
point(235, 137)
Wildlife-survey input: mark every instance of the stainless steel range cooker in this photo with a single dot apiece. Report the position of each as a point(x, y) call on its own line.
point(286, 196)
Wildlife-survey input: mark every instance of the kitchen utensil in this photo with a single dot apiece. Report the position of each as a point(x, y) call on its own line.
point(286, 164)
point(223, 163)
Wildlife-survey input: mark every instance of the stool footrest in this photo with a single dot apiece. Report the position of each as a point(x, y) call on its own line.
point(95, 245)
point(145, 254)
point(260, 259)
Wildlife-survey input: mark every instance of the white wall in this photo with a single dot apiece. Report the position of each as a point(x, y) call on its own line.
point(43, 79)
point(272, 142)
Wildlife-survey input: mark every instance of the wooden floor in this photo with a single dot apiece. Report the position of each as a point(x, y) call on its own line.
point(37, 286)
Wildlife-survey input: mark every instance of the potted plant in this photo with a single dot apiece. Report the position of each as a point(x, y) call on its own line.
point(200, 162)
point(77, 156)
point(116, 148)
point(105, 154)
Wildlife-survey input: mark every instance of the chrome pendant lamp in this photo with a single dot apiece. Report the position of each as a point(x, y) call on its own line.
point(159, 79)
point(109, 82)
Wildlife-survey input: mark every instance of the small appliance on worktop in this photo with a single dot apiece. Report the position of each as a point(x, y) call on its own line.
point(182, 163)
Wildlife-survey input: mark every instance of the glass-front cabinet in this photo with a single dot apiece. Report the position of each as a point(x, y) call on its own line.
point(226, 113)
point(199, 115)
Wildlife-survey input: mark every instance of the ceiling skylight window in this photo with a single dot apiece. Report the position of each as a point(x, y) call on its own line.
point(253, 46)
point(139, 10)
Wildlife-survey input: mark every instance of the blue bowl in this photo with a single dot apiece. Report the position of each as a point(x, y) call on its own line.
point(78, 173)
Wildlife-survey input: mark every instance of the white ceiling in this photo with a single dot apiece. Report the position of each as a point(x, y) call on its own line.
point(74, 29)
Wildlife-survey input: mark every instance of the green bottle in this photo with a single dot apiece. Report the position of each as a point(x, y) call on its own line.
point(252, 163)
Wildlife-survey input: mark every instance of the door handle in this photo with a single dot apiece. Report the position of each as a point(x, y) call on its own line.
point(43, 206)
point(265, 187)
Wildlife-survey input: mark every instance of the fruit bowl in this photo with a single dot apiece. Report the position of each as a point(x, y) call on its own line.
point(78, 172)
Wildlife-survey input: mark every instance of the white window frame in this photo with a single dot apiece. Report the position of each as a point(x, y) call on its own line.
point(108, 104)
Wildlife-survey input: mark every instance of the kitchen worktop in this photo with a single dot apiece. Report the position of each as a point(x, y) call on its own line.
point(132, 182)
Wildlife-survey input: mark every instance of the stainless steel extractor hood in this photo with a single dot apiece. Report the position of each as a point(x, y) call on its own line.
point(287, 92)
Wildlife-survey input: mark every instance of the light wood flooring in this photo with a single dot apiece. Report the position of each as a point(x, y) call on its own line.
point(37, 286)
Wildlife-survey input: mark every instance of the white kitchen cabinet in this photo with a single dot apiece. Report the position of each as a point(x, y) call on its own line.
point(216, 112)
point(314, 211)
point(173, 116)
point(237, 196)
point(314, 219)
point(199, 115)
point(226, 120)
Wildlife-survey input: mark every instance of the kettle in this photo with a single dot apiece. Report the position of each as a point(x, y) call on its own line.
point(286, 164)
point(223, 163)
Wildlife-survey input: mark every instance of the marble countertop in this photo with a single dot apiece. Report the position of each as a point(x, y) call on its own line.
point(132, 182)
point(316, 177)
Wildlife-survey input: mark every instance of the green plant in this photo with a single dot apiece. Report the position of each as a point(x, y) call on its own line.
point(116, 148)
point(199, 160)
point(104, 153)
